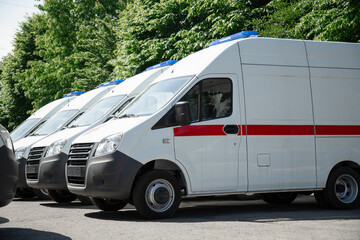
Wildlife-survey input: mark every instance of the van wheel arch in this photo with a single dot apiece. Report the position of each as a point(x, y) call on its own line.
point(160, 164)
point(345, 163)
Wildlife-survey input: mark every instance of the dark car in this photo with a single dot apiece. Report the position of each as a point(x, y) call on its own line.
point(8, 168)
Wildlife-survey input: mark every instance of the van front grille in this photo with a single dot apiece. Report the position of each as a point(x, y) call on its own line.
point(32, 164)
point(78, 157)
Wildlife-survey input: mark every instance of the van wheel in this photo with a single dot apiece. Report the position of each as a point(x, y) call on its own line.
point(61, 196)
point(25, 193)
point(279, 198)
point(157, 194)
point(108, 204)
point(342, 189)
point(85, 200)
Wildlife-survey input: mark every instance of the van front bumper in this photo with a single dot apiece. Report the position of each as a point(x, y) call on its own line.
point(21, 176)
point(51, 173)
point(110, 176)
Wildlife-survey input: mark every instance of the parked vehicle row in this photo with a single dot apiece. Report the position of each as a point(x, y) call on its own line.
point(247, 115)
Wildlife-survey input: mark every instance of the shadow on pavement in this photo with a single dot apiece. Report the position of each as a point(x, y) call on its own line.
point(247, 211)
point(3, 220)
point(68, 205)
point(26, 233)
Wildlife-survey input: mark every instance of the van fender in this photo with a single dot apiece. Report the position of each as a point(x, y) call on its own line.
point(168, 165)
point(349, 156)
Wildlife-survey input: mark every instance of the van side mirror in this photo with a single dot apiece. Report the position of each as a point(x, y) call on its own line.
point(182, 113)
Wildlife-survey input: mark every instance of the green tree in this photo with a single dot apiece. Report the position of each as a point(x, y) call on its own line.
point(326, 20)
point(15, 106)
point(75, 49)
point(152, 31)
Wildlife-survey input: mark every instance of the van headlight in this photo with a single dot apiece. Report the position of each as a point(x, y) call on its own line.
point(5, 137)
point(55, 148)
point(19, 152)
point(108, 144)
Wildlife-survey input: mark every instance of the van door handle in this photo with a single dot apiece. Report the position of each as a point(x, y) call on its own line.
point(231, 129)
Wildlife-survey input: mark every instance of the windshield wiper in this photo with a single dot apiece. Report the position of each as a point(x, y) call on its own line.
point(37, 134)
point(128, 116)
point(73, 126)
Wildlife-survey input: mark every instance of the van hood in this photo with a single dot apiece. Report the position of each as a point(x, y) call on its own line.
point(27, 142)
point(122, 125)
point(63, 134)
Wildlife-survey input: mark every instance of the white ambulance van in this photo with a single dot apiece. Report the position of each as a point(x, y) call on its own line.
point(41, 116)
point(8, 168)
point(245, 115)
point(61, 119)
point(47, 170)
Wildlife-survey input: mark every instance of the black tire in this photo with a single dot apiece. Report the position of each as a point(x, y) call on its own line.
point(25, 193)
point(320, 199)
point(157, 194)
point(42, 194)
point(61, 196)
point(279, 198)
point(108, 204)
point(342, 189)
point(85, 200)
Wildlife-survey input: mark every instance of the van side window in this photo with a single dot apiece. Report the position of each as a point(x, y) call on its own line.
point(193, 98)
point(210, 99)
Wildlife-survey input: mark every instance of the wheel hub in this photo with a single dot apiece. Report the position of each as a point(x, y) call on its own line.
point(160, 195)
point(346, 188)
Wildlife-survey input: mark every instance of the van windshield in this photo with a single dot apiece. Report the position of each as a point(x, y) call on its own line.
point(97, 111)
point(154, 97)
point(55, 122)
point(24, 127)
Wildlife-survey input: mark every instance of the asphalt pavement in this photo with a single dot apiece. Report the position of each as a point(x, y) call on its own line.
point(216, 218)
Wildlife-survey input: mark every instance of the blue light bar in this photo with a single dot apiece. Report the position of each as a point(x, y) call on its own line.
point(243, 34)
point(163, 64)
point(77, 93)
point(115, 82)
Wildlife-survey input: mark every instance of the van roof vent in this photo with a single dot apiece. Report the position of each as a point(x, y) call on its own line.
point(77, 93)
point(163, 64)
point(115, 82)
point(243, 34)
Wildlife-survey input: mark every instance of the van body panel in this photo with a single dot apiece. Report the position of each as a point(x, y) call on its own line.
point(278, 100)
point(332, 90)
point(333, 55)
point(268, 51)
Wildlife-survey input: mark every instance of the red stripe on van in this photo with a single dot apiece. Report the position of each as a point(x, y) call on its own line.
point(337, 130)
point(280, 130)
point(199, 130)
point(269, 130)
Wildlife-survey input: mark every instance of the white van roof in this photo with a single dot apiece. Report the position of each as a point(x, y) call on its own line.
point(87, 99)
point(135, 84)
point(284, 52)
point(51, 108)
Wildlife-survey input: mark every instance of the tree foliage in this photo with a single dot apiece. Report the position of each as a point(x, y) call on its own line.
point(325, 20)
point(14, 103)
point(151, 31)
point(77, 44)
